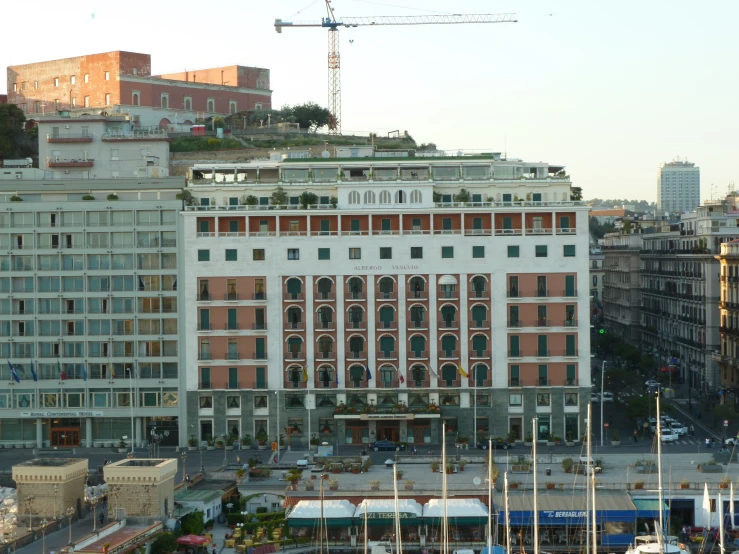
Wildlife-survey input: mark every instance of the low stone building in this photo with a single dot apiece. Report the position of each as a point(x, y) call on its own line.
point(48, 487)
point(141, 487)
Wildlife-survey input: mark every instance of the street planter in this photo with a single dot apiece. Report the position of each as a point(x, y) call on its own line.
point(569, 443)
point(615, 443)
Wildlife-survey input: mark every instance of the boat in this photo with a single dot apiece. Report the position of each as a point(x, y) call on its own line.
point(658, 542)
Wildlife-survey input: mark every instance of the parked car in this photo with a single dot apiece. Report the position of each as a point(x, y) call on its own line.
point(731, 441)
point(595, 397)
point(607, 396)
point(502, 445)
point(386, 445)
point(678, 427)
point(668, 435)
point(651, 383)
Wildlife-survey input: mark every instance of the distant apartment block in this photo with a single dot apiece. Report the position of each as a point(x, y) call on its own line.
point(678, 187)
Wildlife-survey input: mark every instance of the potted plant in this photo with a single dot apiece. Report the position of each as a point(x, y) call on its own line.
point(462, 442)
point(122, 446)
point(356, 468)
point(219, 442)
point(314, 442)
point(366, 464)
point(569, 440)
point(192, 443)
point(246, 440)
point(462, 463)
point(435, 467)
point(309, 486)
point(112, 196)
point(337, 467)
point(230, 442)
point(567, 464)
point(549, 485)
point(399, 474)
point(211, 444)
point(375, 485)
point(639, 484)
point(88, 197)
point(684, 484)
point(16, 198)
point(408, 485)
point(616, 438)
point(528, 440)
point(512, 437)
point(262, 439)
point(550, 440)
point(513, 484)
point(724, 483)
point(557, 440)
point(333, 484)
point(450, 469)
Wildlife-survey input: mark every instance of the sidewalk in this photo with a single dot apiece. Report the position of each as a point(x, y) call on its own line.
point(59, 539)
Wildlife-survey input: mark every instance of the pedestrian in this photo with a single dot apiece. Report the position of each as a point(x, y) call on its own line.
point(708, 442)
point(214, 550)
point(692, 431)
point(413, 451)
point(636, 435)
point(187, 477)
point(101, 518)
point(105, 462)
point(238, 459)
point(713, 442)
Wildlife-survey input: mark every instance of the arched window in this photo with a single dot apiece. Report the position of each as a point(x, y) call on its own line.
point(294, 288)
point(418, 316)
point(357, 374)
point(355, 287)
point(356, 317)
point(135, 99)
point(325, 346)
point(479, 285)
point(295, 346)
point(480, 374)
point(400, 197)
point(386, 375)
point(416, 197)
point(356, 346)
point(449, 345)
point(387, 346)
point(354, 197)
point(418, 374)
point(418, 345)
point(387, 317)
point(479, 314)
point(369, 197)
point(326, 375)
point(386, 287)
point(479, 345)
point(416, 287)
point(324, 287)
point(449, 374)
point(385, 197)
point(449, 316)
point(294, 317)
point(325, 317)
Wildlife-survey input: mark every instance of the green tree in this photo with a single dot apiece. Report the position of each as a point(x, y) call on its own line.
point(12, 119)
point(278, 197)
point(308, 199)
point(308, 116)
point(575, 193)
point(192, 523)
point(628, 226)
point(463, 196)
point(166, 543)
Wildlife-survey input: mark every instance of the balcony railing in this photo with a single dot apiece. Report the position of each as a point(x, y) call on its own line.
point(259, 296)
point(480, 354)
point(204, 327)
point(418, 324)
point(232, 355)
point(294, 355)
point(482, 383)
point(515, 323)
point(231, 327)
point(447, 294)
point(356, 384)
point(418, 354)
point(204, 298)
point(325, 325)
point(295, 384)
point(325, 355)
point(571, 353)
point(417, 294)
point(386, 355)
point(231, 296)
point(419, 383)
point(205, 356)
point(570, 323)
point(514, 382)
point(325, 296)
point(482, 294)
point(232, 385)
point(68, 138)
point(351, 354)
point(386, 295)
point(448, 324)
point(205, 385)
point(360, 325)
point(542, 322)
point(540, 353)
point(356, 295)
point(294, 326)
point(449, 354)
point(450, 382)
point(392, 384)
point(294, 297)
point(259, 326)
point(258, 356)
point(479, 324)
point(387, 325)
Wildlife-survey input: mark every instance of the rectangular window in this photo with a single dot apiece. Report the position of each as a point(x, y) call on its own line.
point(73, 79)
point(543, 375)
point(447, 251)
point(541, 251)
point(56, 81)
point(293, 254)
point(542, 345)
point(569, 250)
point(571, 374)
point(515, 346)
point(513, 251)
point(478, 251)
point(203, 255)
point(355, 253)
point(515, 399)
point(386, 253)
point(570, 349)
point(107, 99)
point(416, 252)
point(231, 255)
point(258, 254)
point(515, 376)
point(107, 75)
point(324, 253)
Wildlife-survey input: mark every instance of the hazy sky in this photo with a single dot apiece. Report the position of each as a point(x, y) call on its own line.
point(610, 89)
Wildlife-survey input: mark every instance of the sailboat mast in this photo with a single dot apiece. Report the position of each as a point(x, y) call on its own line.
point(589, 451)
point(536, 494)
point(445, 515)
point(507, 517)
point(490, 497)
point(658, 426)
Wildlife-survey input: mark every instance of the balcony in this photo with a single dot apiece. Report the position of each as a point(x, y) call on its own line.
point(204, 327)
point(259, 296)
point(387, 355)
point(515, 354)
point(482, 383)
point(508, 232)
point(448, 324)
point(356, 325)
point(231, 327)
point(205, 356)
point(542, 322)
point(417, 295)
point(514, 293)
point(478, 232)
point(205, 385)
point(294, 355)
point(543, 382)
point(325, 325)
point(204, 298)
point(480, 294)
point(571, 353)
point(327, 296)
point(231, 297)
point(138, 135)
point(353, 355)
point(392, 384)
point(326, 384)
point(570, 323)
point(325, 356)
point(566, 230)
point(262, 326)
point(387, 325)
point(387, 295)
point(419, 383)
point(418, 355)
point(69, 163)
point(418, 325)
point(232, 355)
point(446, 294)
point(449, 354)
point(514, 382)
point(294, 297)
point(295, 384)
point(294, 326)
point(450, 383)
point(480, 354)
point(356, 384)
point(232, 385)
point(540, 353)
point(541, 293)
point(68, 138)
point(258, 356)
point(356, 295)
point(570, 382)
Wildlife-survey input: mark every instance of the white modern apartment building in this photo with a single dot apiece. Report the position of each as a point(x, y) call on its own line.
point(358, 299)
point(89, 309)
point(678, 187)
point(101, 147)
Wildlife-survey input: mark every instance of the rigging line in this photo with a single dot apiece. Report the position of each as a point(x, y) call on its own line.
point(301, 9)
point(404, 7)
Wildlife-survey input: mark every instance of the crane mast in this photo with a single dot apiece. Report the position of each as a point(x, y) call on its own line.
point(334, 60)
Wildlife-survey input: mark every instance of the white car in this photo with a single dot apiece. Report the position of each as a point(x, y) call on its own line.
point(595, 397)
point(678, 427)
point(732, 441)
point(668, 435)
point(651, 383)
point(607, 397)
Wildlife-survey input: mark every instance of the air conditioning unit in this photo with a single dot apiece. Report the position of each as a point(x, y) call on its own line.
point(66, 126)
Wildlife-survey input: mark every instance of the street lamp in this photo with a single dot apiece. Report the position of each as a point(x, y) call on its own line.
point(602, 379)
point(94, 499)
point(70, 513)
point(202, 469)
point(30, 500)
point(184, 465)
point(43, 536)
point(56, 490)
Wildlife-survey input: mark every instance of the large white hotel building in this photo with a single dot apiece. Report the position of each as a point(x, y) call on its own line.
point(410, 291)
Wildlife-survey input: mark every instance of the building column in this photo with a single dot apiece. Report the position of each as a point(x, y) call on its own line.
point(39, 433)
point(137, 429)
point(88, 431)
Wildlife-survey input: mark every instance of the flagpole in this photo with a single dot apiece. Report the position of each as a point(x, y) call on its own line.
point(307, 397)
point(474, 414)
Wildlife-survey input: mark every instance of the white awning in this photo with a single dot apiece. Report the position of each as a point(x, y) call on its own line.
point(332, 509)
point(382, 505)
point(447, 280)
point(456, 507)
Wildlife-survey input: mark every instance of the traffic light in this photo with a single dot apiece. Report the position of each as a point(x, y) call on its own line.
point(602, 331)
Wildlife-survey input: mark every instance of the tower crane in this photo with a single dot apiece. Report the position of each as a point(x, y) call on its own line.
point(334, 63)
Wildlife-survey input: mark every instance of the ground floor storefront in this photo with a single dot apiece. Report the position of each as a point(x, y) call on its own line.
point(88, 429)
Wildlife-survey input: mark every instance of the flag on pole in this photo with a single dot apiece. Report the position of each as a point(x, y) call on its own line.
point(33, 372)
point(337, 377)
point(59, 367)
point(14, 373)
point(369, 373)
point(84, 372)
point(462, 372)
point(402, 379)
point(305, 374)
point(706, 506)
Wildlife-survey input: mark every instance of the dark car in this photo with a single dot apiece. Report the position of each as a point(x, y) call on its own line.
point(497, 445)
point(386, 445)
